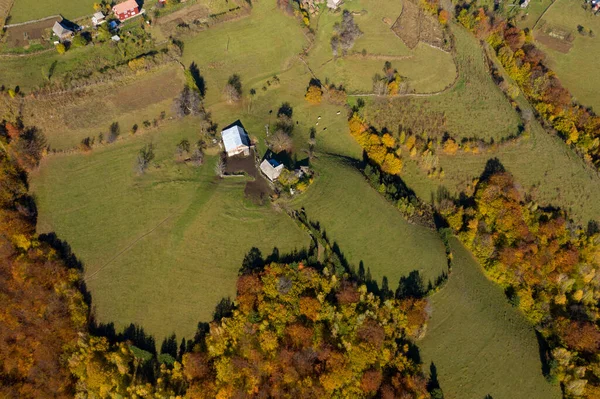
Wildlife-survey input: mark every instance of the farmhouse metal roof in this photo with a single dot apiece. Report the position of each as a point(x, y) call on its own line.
point(99, 15)
point(271, 168)
point(60, 30)
point(234, 137)
point(125, 6)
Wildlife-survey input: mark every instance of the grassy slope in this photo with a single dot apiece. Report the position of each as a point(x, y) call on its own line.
point(545, 167)
point(31, 71)
point(479, 343)
point(533, 13)
point(578, 68)
point(474, 107)
point(367, 227)
point(27, 10)
point(356, 72)
point(161, 249)
point(255, 47)
point(67, 121)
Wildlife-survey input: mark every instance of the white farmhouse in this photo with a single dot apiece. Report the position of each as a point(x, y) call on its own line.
point(98, 18)
point(236, 141)
point(334, 4)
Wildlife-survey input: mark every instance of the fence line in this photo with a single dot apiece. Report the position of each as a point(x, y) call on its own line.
point(32, 22)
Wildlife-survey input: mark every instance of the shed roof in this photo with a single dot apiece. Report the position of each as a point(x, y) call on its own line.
point(60, 30)
point(125, 6)
point(271, 168)
point(234, 137)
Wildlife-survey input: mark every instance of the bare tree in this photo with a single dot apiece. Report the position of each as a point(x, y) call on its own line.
point(183, 148)
point(145, 156)
point(281, 141)
point(233, 89)
point(188, 102)
point(197, 156)
point(345, 34)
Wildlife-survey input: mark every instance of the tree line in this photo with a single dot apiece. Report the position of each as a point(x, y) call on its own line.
point(526, 64)
point(548, 268)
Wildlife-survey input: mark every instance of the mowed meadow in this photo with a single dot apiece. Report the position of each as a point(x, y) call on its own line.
point(479, 344)
point(369, 229)
point(28, 10)
point(158, 247)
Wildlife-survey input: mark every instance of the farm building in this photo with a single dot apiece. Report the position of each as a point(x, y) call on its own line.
point(98, 18)
point(62, 31)
point(271, 168)
point(127, 9)
point(236, 141)
point(334, 4)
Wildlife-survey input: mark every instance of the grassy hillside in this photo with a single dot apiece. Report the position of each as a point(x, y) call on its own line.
point(31, 71)
point(67, 119)
point(577, 69)
point(367, 227)
point(473, 107)
point(545, 167)
point(27, 10)
point(356, 71)
point(254, 47)
point(160, 246)
point(479, 343)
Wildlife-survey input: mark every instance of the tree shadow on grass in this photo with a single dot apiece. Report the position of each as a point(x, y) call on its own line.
point(198, 79)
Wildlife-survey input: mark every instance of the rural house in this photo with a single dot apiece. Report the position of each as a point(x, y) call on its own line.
point(62, 31)
point(334, 4)
point(236, 141)
point(98, 18)
point(271, 168)
point(127, 9)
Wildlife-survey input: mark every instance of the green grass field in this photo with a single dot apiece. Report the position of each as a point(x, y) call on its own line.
point(28, 10)
point(160, 249)
point(473, 107)
point(31, 71)
point(426, 69)
point(255, 47)
point(533, 12)
point(367, 227)
point(578, 68)
point(478, 342)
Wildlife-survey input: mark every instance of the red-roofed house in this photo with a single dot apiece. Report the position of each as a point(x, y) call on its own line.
point(127, 9)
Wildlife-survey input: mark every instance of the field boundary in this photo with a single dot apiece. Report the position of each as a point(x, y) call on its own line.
point(542, 15)
point(431, 94)
point(32, 21)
